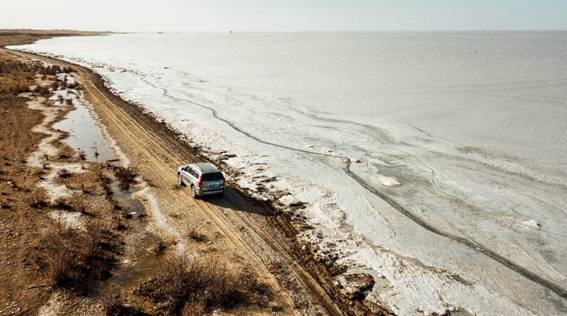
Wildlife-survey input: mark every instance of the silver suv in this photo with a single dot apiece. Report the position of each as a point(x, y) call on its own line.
point(202, 178)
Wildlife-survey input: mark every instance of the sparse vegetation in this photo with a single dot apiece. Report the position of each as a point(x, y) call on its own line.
point(196, 235)
point(202, 284)
point(82, 155)
point(126, 177)
point(73, 258)
point(64, 174)
point(62, 204)
point(38, 200)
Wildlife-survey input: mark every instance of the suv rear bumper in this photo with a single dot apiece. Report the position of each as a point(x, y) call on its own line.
point(209, 192)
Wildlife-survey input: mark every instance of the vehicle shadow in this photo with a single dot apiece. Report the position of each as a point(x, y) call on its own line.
point(237, 200)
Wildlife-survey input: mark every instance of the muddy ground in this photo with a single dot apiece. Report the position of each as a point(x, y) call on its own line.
point(172, 255)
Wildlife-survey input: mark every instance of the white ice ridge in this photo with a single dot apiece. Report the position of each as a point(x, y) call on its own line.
point(160, 221)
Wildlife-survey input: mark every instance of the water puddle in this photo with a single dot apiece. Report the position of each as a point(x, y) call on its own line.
point(85, 135)
point(143, 252)
point(124, 199)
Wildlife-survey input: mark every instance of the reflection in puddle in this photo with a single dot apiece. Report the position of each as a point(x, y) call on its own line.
point(125, 200)
point(85, 135)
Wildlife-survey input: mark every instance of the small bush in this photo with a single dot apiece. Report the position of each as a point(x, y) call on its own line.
point(72, 258)
point(126, 176)
point(64, 174)
point(43, 91)
point(62, 204)
point(115, 306)
point(204, 283)
point(196, 235)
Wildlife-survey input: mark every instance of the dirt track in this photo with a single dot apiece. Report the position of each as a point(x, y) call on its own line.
point(239, 228)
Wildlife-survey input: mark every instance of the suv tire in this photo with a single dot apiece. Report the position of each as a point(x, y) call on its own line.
point(194, 192)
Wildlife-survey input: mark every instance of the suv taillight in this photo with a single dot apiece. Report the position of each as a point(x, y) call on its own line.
point(200, 181)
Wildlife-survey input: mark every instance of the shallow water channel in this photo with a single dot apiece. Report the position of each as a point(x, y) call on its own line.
point(85, 135)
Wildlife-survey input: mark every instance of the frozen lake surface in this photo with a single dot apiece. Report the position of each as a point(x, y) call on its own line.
point(437, 162)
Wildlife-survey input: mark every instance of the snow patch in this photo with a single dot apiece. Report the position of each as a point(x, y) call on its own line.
point(69, 219)
point(146, 194)
point(388, 181)
point(532, 223)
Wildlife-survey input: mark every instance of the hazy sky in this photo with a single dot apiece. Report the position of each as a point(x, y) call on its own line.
point(284, 15)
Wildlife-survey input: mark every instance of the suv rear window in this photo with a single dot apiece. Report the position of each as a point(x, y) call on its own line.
point(215, 176)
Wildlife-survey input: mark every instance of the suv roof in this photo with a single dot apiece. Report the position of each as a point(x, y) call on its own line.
point(206, 167)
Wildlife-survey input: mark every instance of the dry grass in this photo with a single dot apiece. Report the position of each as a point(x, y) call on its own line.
point(62, 204)
point(115, 306)
point(200, 285)
point(64, 174)
point(17, 77)
point(73, 259)
point(126, 177)
point(196, 235)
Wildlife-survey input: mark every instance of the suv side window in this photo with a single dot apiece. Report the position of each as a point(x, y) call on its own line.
point(193, 172)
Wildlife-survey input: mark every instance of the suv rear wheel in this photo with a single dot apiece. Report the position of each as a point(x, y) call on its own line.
point(193, 192)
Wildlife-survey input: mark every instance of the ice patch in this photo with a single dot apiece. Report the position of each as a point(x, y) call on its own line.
point(146, 194)
point(532, 223)
point(69, 219)
point(39, 158)
point(45, 147)
point(388, 181)
point(56, 190)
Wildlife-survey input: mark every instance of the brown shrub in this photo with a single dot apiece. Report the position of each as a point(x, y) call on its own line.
point(126, 176)
point(202, 284)
point(64, 174)
point(62, 204)
point(38, 199)
point(196, 235)
point(194, 309)
point(43, 91)
point(115, 306)
point(72, 258)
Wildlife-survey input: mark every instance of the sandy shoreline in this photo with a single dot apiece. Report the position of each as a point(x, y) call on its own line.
point(254, 230)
